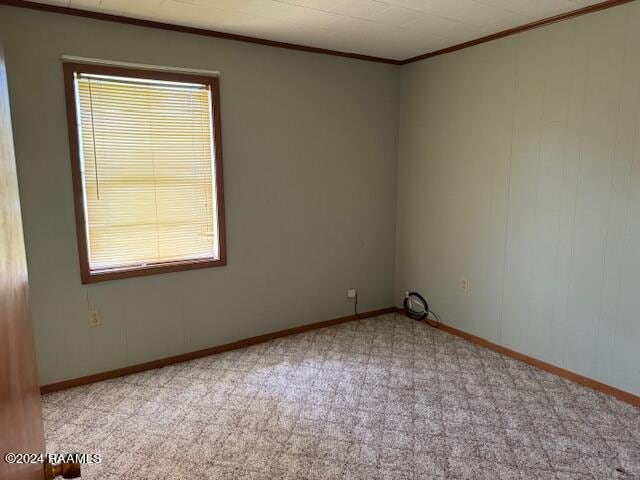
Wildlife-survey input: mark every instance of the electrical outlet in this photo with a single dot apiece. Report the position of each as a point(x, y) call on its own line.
point(351, 293)
point(94, 318)
point(464, 284)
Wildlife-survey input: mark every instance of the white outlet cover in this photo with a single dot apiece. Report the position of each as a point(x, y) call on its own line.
point(351, 293)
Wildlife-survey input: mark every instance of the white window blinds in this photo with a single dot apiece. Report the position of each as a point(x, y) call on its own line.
point(147, 169)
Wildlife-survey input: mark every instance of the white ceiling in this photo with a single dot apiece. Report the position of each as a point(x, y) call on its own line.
point(396, 29)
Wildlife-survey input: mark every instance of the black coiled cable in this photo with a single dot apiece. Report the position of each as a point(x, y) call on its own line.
point(422, 314)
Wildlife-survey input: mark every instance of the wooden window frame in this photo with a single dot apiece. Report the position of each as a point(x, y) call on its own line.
point(86, 275)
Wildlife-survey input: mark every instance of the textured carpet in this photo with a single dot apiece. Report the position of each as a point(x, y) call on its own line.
point(383, 398)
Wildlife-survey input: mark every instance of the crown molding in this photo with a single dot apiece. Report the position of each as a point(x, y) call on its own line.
point(305, 48)
point(523, 28)
point(45, 7)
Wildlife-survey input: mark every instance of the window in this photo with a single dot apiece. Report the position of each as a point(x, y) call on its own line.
point(147, 170)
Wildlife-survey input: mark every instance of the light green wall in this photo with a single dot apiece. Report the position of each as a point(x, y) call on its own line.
point(310, 149)
point(519, 167)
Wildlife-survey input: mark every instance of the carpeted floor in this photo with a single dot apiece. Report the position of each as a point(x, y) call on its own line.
point(382, 398)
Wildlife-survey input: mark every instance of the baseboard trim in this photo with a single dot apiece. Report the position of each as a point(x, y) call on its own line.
point(141, 367)
point(547, 367)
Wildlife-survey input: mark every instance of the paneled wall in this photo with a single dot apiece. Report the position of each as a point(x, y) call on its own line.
point(519, 168)
point(309, 171)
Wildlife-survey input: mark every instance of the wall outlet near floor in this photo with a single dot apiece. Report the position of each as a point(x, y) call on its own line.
point(351, 293)
point(464, 284)
point(94, 318)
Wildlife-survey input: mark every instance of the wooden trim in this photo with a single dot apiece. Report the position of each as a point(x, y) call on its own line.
point(120, 372)
point(193, 30)
point(547, 367)
point(86, 275)
point(305, 48)
point(523, 28)
point(217, 136)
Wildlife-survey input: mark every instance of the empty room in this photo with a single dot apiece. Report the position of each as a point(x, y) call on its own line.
point(320, 239)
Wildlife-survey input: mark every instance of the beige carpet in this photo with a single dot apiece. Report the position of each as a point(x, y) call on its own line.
point(383, 398)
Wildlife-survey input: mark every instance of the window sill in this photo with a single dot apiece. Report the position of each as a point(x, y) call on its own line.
point(141, 271)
